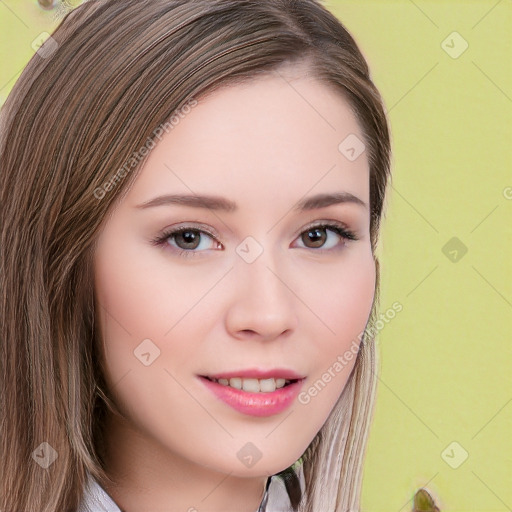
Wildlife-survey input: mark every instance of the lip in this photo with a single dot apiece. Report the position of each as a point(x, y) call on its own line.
point(256, 373)
point(255, 404)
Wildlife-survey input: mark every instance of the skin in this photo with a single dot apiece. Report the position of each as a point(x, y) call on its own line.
point(265, 144)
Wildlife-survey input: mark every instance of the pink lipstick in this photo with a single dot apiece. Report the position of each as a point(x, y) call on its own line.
point(255, 392)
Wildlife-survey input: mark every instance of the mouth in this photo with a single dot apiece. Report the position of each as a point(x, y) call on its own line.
point(252, 385)
point(253, 396)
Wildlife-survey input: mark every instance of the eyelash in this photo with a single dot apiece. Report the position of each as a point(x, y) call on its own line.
point(161, 239)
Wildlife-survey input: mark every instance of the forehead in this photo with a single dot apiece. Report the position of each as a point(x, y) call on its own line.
point(274, 135)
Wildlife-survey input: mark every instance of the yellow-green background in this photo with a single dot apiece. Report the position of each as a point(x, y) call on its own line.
point(446, 359)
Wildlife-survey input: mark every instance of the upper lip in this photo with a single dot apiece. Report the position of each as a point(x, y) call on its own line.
point(256, 373)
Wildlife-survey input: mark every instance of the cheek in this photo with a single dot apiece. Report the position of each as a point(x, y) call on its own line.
point(135, 309)
point(135, 299)
point(352, 299)
point(341, 303)
point(348, 312)
point(146, 291)
point(143, 307)
point(344, 307)
point(127, 302)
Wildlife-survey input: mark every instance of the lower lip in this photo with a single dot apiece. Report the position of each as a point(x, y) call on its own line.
point(255, 404)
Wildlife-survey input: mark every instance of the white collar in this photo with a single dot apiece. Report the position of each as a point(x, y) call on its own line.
point(96, 499)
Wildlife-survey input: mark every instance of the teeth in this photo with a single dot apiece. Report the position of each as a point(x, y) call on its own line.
point(253, 385)
point(280, 383)
point(235, 383)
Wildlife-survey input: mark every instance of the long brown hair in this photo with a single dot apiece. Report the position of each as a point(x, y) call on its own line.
point(92, 96)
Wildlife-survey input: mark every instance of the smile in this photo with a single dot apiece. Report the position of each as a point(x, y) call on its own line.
point(254, 397)
point(254, 385)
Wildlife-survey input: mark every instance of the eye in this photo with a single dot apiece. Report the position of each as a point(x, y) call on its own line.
point(188, 241)
point(317, 235)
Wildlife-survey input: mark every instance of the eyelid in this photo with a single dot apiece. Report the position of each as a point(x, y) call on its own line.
point(319, 222)
point(196, 226)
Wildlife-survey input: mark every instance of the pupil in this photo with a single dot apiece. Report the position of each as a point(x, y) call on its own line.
point(316, 236)
point(189, 237)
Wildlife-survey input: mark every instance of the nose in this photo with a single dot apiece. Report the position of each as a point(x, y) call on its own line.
point(263, 305)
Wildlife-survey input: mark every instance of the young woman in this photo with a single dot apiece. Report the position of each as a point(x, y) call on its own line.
point(190, 195)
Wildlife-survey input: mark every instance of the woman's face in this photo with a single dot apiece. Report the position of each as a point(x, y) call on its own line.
point(250, 288)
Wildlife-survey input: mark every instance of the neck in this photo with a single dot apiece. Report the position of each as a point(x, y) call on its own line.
point(151, 477)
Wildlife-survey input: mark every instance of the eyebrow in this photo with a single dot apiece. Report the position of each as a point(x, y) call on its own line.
point(220, 203)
